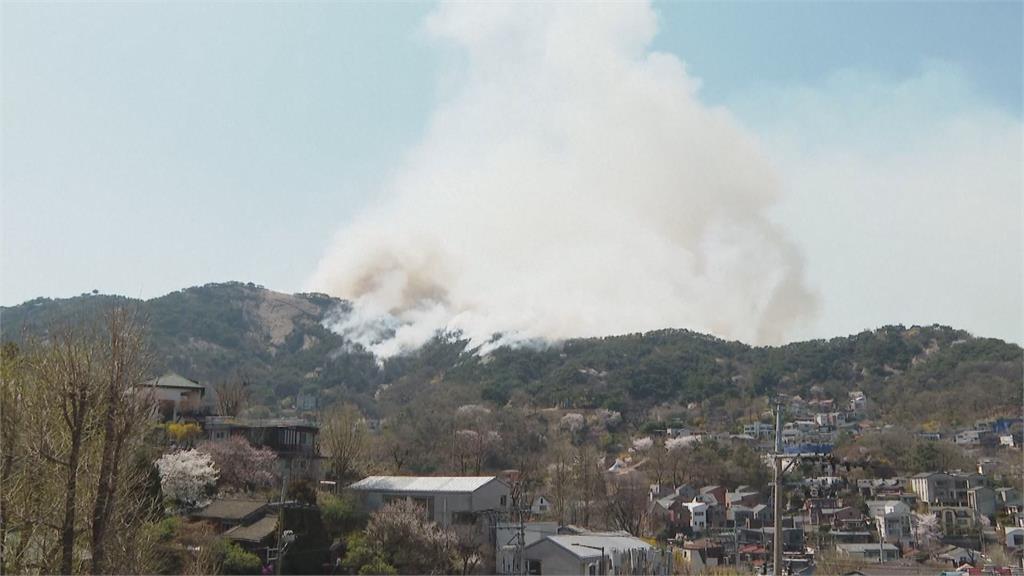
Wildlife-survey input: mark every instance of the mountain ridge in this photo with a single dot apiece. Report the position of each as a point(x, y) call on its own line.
point(279, 343)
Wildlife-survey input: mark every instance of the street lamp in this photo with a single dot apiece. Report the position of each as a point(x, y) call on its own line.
point(602, 570)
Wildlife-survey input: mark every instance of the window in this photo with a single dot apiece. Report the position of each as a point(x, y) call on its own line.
point(533, 567)
point(504, 500)
point(592, 570)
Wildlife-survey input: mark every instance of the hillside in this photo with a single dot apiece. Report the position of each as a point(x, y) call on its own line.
point(277, 342)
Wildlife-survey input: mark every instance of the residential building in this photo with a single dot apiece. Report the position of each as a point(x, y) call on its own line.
point(869, 552)
point(698, 515)
point(792, 536)
point(982, 500)
point(447, 500)
point(540, 505)
point(256, 536)
point(294, 440)
point(858, 402)
point(224, 513)
point(892, 519)
point(175, 396)
point(702, 554)
point(976, 438)
point(1014, 537)
point(759, 430)
point(958, 556)
point(954, 519)
point(592, 554)
point(507, 535)
point(945, 488)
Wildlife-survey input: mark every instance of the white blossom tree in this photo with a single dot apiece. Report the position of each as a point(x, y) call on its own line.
point(643, 444)
point(573, 422)
point(926, 530)
point(187, 477)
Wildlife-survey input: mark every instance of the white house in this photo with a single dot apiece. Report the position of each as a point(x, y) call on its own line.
point(174, 394)
point(1015, 537)
point(540, 505)
point(592, 554)
point(698, 514)
point(447, 500)
point(892, 518)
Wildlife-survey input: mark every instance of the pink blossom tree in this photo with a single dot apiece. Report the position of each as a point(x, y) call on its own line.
point(243, 467)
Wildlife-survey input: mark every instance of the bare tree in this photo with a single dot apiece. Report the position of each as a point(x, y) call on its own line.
point(470, 547)
point(73, 420)
point(344, 442)
point(67, 374)
point(11, 382)
point(560, 482)
point(628, 504)
point(232, 396)
point(126, 361)
point(588, 478)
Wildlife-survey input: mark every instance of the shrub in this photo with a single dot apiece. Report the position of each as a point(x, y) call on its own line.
point(239, 561)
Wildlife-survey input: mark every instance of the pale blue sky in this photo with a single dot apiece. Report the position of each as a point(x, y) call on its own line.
point(151, 147)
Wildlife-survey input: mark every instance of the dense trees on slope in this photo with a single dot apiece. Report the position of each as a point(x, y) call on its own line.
point(214, 333)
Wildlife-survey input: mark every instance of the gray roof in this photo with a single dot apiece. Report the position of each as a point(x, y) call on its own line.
point(229, 509)
point(904, 566)
point(667, 501)
point(861, 548)
point(255, 532)
point(238, 422)
point(610, 541)
point(173, 380)
point(446, 484)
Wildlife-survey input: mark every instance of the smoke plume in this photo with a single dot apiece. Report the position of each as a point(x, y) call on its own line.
point(571, 184)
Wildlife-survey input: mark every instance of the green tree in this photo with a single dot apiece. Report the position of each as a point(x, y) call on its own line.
point(239, 561)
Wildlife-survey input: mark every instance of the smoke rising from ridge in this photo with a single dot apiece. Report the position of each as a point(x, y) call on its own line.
point(572, 185)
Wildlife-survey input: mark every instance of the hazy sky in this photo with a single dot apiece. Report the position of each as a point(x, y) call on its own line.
point(150, 147)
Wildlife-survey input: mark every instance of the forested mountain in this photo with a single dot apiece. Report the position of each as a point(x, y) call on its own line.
point(277, 342)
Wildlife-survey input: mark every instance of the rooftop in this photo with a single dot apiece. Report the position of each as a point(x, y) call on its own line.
point(259, 422)
point(229, 509)
point(255, 532)
point(422, 483)
point(578, 544)
point(894, 568)
point(173, 380)
point(861, 548)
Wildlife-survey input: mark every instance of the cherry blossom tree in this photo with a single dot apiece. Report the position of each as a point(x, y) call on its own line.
point(187, 477)
point(242, 466)
point(926, 530)
point(410, 542)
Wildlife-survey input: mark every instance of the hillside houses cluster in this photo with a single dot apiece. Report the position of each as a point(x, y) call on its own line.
point(950, 516)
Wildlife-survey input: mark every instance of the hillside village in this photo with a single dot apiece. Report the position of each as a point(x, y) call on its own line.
point(266, 444)
point(638, 517)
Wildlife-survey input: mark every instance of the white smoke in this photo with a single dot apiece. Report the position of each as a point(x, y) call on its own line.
point(573, 185)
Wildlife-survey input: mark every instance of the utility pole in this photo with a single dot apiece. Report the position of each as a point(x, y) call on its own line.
point(777, 504)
